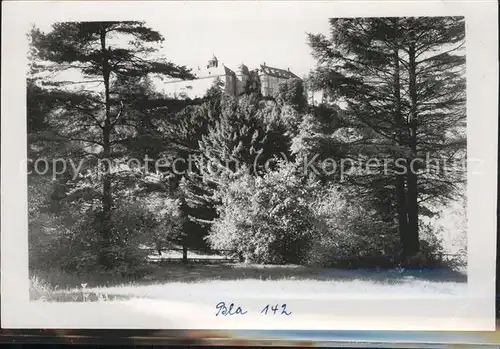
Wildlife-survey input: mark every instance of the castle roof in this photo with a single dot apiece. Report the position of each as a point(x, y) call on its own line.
point(276, 72)
point(244, 69)
point(207, 75)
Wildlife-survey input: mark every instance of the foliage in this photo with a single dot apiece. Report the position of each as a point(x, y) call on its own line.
point(265, 219)
point(352, 232)
point(432, 253)
point(244, 136)
point(235, 139)
point(234, 172)
point(165, 219)
point(450, 225)
point(76, 249)
point(184, 131)
point(292, 93)
point(73, 244)
point(39, 289)
point(117, 56)
point(291, 102)
point(402, 83)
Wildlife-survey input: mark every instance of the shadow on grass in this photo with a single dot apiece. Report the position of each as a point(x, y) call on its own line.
point(198, 273)
point(70, 288)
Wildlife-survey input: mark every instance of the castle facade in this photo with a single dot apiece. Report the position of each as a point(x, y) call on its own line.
point(234, 82)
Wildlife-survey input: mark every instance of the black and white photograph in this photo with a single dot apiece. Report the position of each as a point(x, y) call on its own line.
point(181, 165)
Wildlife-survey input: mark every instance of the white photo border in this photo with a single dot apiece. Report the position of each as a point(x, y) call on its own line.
point(473, 311)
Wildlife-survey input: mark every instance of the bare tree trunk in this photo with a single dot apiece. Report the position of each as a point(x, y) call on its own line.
point(107, 201)
point(400, 177)
point(413, 232)
point(184, 253)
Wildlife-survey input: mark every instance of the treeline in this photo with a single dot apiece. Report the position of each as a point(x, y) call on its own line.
point(258, 176)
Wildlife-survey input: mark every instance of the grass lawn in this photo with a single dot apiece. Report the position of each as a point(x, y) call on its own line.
point(179, 281)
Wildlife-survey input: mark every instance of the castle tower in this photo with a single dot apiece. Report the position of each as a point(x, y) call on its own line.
point(243, 75)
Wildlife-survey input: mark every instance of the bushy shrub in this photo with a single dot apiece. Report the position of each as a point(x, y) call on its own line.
point(449, 224)
point(39, 289)
point(78, 248)
point(266, 219)
point(285, 218)
point(164, 219)
point(351, 236)
point(432, 253)
point(76, 244)
point(460, 260)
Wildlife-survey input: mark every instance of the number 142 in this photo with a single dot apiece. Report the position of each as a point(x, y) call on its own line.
point(275, 310)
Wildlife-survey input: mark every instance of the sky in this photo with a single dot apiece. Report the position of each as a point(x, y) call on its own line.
point(277, 41)
point(280, 43)
point(192, 39)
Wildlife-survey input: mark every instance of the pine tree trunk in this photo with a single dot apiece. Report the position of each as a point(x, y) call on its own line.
point(107, 201)
point(184, 253)
point(400, 177)
point(413, 229)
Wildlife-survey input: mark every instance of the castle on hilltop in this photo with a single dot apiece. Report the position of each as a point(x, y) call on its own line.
point(234, 82)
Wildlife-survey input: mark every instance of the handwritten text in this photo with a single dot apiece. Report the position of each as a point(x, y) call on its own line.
point(223, 309)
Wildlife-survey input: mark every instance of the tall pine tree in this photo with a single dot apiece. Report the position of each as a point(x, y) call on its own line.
point(93, 106)
point(401, 82)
